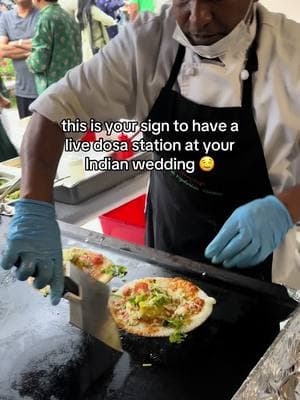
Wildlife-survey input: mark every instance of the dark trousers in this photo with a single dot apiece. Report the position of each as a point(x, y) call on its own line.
point(23, 104)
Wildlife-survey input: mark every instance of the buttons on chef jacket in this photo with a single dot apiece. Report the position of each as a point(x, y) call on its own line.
point(188, 69)
point(244, 75)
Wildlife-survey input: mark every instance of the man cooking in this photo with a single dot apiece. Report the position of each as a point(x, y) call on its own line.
point(202, 60)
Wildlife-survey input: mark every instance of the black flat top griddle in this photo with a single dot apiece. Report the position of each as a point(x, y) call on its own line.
point(43, 357)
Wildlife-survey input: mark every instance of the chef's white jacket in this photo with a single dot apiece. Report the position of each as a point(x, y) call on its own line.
point(124, 79)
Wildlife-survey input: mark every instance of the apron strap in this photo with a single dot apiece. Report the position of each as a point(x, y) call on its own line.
point(251, 66)
point(176, 67)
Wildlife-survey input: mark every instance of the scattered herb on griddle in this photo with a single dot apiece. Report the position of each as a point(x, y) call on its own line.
point(177, 337)
point(116, 271)
point(177, 324)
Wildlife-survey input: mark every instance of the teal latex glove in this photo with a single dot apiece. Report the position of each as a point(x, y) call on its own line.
point(250, 234)
point(34, 240)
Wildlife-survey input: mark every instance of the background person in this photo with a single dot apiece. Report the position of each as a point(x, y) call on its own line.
point(93, 23)
point(56, 44)
point(7, 150)
point(220, 62)
point(6, 5)
point(137, 6)
point(16, 31)
point(70, 6)
point(111, 8)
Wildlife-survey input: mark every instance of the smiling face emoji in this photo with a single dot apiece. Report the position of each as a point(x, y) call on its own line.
point(206, 163)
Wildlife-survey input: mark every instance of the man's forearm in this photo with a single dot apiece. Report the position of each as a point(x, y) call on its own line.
point(8, 51)
point(40, 153)
point(25, 44)
point(291, 199)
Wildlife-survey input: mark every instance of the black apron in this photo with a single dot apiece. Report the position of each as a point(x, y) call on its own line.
point(186, 211)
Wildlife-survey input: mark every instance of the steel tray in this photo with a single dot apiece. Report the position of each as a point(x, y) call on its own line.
point(10, 174)
point(96, 184)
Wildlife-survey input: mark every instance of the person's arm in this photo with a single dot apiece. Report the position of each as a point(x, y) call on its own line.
point(33, 238)
point(33, 235)
point(4, 102)
point(100, 16)
point(41, 149)
point(104, 88)
point(40, 57)
point(25, 44)
point(10, 51)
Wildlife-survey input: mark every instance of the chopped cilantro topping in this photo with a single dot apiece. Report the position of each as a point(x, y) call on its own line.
point(177, 337)
point(136, 300)
point(154, 298)
point(158, 304)
point(177, 322)
point(116, 271)
point(160, 299)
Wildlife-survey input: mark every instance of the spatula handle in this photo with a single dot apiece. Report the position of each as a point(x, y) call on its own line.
point(70, 286)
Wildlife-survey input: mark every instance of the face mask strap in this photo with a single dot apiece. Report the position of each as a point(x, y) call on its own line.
point(249, 13)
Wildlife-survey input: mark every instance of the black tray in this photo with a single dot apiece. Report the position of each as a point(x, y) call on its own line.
point(43, 357)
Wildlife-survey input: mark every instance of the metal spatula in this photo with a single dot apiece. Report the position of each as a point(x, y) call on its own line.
point(88, 306)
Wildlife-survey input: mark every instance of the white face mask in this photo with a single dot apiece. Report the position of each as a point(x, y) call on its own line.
point(224, 45)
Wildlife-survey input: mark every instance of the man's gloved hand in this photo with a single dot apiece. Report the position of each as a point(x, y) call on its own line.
point(251, 233)
point(34, 240)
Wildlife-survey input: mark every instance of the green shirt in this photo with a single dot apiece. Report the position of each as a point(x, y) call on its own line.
point(56, 46)
point(144, 5)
